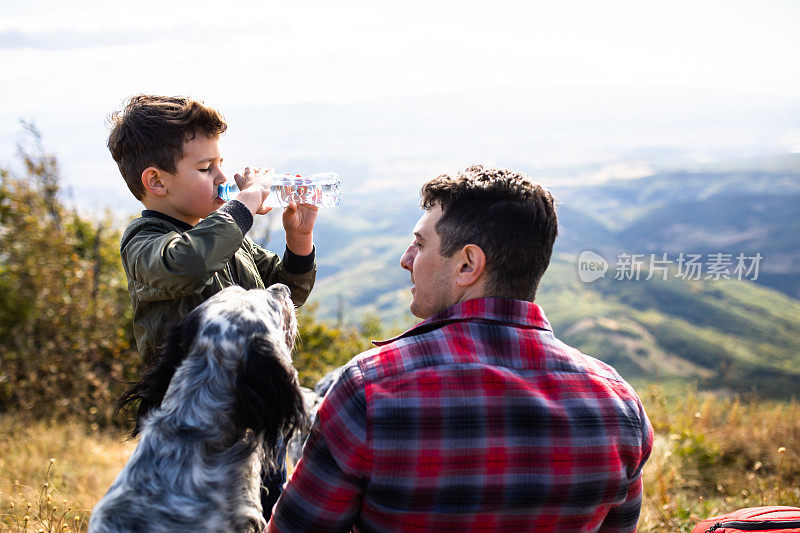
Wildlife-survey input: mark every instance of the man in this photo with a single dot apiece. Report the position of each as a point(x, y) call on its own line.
point(477, 419)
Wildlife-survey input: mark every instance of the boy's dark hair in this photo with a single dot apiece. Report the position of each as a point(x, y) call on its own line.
point(512, 220)
point(151, 130)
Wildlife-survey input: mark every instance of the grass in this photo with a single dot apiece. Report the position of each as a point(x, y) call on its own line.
point(714, 455)
point(54, 472)
point(711, 455)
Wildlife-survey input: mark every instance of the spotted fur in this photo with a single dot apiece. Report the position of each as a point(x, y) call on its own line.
point(212, 409)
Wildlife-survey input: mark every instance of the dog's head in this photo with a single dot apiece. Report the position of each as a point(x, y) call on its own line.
point(232, 354)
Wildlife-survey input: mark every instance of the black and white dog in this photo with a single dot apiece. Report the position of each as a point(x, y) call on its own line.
point(212, 408)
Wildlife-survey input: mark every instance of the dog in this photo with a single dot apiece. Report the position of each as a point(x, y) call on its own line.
point(213, 408)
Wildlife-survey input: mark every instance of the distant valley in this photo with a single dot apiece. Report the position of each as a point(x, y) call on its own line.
point(742, 336)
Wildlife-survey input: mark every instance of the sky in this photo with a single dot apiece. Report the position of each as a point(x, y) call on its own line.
point(404, 88)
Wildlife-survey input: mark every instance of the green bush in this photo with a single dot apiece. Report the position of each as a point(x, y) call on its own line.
point(66, 340)
point(323, 347)
point(66, 346)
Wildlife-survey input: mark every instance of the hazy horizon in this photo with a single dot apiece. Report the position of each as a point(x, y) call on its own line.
point(389, 98)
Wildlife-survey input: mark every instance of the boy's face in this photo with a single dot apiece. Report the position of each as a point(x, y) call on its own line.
point(192, 189)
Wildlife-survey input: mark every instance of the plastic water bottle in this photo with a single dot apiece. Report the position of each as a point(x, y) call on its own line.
point(322, 190)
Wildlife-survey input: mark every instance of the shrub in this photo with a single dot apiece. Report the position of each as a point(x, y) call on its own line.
point(66, 344)
point(66, 340)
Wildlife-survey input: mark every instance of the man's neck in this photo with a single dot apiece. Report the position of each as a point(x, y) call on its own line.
point(473, 292)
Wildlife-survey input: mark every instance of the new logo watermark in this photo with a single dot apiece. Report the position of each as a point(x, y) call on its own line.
point(686, 266)
point(591, 266)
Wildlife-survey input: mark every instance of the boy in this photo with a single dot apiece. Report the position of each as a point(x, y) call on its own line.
point(188, 244)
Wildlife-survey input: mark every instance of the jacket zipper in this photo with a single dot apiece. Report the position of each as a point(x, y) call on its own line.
point(230, 272)
point(764, 525)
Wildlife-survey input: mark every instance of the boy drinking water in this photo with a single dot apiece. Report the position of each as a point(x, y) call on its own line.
point(188, 244)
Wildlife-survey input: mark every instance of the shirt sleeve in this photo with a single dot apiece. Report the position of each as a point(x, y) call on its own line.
point(164, 265)
point(325, 491)
point(625, 516)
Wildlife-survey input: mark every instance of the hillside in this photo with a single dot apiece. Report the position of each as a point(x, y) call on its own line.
point(729, 335)
point(737, 335)
point(747, 208)
point(724, 334)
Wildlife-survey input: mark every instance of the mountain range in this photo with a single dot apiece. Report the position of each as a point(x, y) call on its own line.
point(740, 334)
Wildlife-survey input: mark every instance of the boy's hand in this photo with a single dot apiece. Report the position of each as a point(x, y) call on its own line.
point(254, 189)
point(298, 221)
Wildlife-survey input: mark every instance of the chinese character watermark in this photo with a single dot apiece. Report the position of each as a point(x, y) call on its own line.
point(629, 266)
point(685, 266)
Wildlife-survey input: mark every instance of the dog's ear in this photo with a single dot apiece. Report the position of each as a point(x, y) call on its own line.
point(149, 391)
point(268, 397)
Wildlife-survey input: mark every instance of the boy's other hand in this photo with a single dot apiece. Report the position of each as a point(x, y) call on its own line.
point(254, 189)
point(298, 221)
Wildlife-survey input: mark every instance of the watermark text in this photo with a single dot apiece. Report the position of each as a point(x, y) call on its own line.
point(685, 266)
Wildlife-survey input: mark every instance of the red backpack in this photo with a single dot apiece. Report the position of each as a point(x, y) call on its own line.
point(774, 519)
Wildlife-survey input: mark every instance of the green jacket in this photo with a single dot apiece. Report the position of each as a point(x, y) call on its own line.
point(173, 267)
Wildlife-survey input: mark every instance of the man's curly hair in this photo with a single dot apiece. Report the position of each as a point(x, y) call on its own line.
point(503, 212)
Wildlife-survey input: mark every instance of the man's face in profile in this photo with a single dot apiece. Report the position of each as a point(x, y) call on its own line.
point(431, 274)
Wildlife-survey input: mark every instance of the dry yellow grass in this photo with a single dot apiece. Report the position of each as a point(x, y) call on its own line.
point(85, 464)
point(711, 455)
point(714, 455)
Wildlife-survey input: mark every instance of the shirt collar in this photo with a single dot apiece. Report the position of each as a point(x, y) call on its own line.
point(500, 310)
point(172, 220)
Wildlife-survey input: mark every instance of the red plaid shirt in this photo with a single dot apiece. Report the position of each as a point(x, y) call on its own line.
point(477, 419)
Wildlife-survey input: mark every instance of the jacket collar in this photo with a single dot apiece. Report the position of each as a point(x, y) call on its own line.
point(180, 224)
point(487, 310)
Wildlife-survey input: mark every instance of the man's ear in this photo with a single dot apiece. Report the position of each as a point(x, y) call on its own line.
point(471, 265)
point(153, 181)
